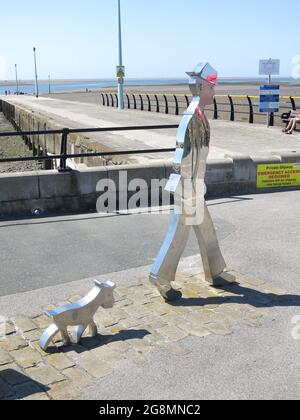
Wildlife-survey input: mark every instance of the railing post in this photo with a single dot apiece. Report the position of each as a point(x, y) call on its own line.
point(176, 105)
point(251, 111)
point(112, 101)
point(216, 116)
point(142, 102)
point(149, 103)
point(187, 100)
point(231, 108)
point(63, 150)
point(117, 101)
point(157, 103)
point(293, 103)
point(166, 104)
point(134, 101)
point(128, 101)
point(48, 164)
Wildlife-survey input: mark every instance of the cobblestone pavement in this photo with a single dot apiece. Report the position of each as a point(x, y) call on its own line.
point(139, 322)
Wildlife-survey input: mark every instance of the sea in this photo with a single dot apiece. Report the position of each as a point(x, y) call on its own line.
point(29, 88)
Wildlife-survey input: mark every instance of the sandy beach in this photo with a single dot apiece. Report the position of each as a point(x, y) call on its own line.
point(241, 105)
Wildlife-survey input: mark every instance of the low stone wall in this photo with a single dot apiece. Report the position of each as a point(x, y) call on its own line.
point(76, 191)
point(26, 120)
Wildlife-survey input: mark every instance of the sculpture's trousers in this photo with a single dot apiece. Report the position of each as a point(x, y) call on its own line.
point(165, 267)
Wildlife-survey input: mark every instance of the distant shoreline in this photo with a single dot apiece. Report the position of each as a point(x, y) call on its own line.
point(177, 81)
point(180, 86)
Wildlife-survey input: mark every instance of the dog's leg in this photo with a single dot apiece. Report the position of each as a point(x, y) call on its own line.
point(79, 330)
point(48, 336)
point(65, 336)
point(93, 329)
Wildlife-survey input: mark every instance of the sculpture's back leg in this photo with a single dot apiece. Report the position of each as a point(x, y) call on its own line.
point(65, 336)
point(212, 258)
point(78, 333)
point(164, 269)
point(48, 336)
point(93, 329)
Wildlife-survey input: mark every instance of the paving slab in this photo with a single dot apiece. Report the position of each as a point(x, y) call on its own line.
point(128, 342)
point(236, 342)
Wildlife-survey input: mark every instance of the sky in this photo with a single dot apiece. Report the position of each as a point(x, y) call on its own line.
point(161, 38)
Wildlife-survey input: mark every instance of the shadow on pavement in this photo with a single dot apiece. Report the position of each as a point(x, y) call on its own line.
point(243, 295)
point(89, 343)
point(23, 386)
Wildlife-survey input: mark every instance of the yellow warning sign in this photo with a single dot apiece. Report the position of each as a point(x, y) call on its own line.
point(120, 71)
point(278, 175)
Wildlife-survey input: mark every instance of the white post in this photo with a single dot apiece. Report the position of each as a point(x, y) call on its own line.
point(36, 75)
point(269, 114)
point(17, 81)
point(120, 85)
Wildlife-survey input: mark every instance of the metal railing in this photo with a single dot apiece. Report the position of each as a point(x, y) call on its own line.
point(177, 103)
point(65, 132)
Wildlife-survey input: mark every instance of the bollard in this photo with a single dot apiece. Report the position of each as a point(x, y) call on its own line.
point(231, 108)
point(166, 104)
point(112, 100)
point(149, 103)
point(216, 116)
point(134, 101)
point(176, 105)
point(142, 102)
point(157, 103)
point(293, 103)
point(251, 111)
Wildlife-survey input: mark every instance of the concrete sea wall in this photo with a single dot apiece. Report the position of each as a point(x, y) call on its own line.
point(76, 191)
point(25, 120)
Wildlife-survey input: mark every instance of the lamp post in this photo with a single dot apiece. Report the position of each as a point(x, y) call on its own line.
point(36, 75)
point(120, 71)
point(17, 81)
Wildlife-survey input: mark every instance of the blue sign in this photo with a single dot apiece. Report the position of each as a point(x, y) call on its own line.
point(269, 98)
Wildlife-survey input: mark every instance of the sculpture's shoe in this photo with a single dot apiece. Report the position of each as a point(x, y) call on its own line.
point(224, 279)
point(172, 295)
point(163, 286)
point(48, 336)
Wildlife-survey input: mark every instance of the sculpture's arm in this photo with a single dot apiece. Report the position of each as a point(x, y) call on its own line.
point(184, 146)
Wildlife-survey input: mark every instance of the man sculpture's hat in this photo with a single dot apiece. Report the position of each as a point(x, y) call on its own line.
point(206, 72)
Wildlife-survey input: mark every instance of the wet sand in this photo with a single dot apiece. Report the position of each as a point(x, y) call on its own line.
point(241, 105)
point(287, 89)
point(14, 147)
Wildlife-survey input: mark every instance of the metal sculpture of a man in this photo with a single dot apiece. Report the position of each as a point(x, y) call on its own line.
point(188, 186)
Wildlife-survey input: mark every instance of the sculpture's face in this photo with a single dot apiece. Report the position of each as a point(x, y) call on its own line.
point(109, 300)
point(207, 93)
point(202, 83)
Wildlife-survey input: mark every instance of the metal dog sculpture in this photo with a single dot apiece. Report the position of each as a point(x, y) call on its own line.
point(79, 315)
